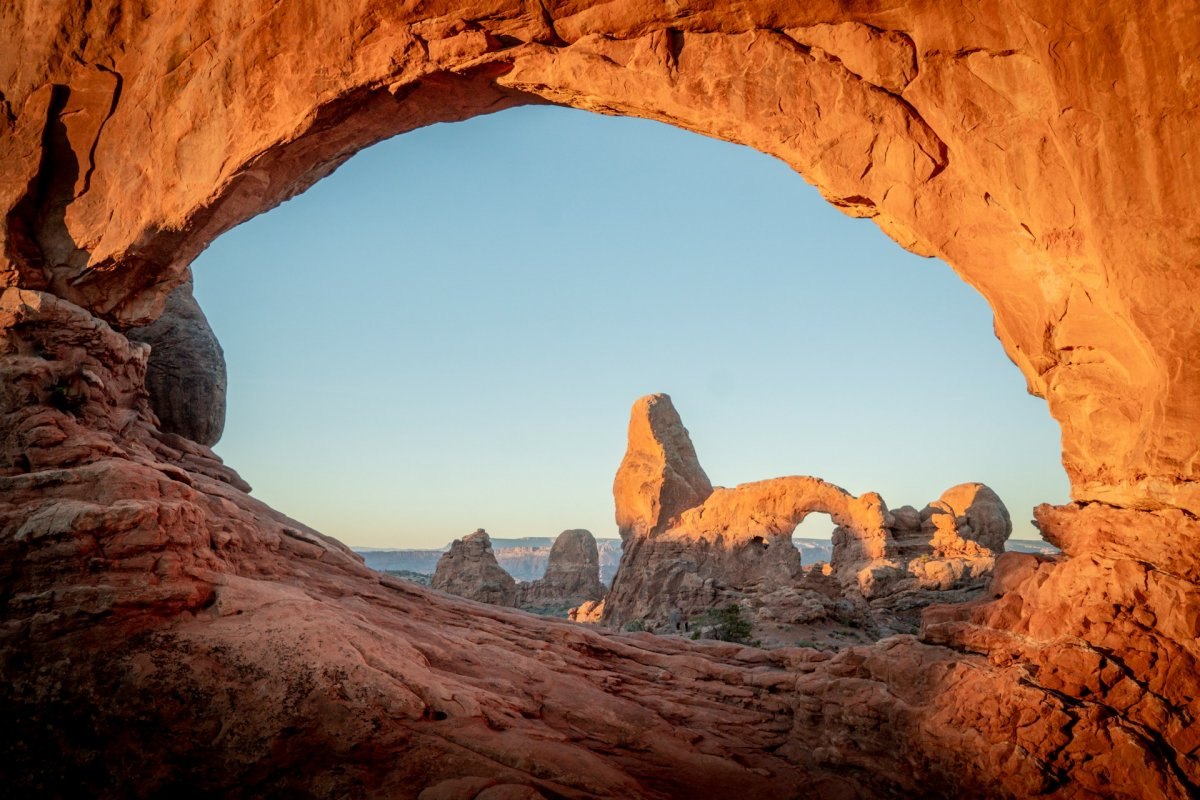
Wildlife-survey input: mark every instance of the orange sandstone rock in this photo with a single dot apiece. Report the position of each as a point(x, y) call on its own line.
point(591, 612)
point(163, 632)
point(660, 476)
point(736, 544)
point(1004, 140)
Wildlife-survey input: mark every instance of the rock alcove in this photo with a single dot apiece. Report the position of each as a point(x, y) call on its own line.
point(164, 631)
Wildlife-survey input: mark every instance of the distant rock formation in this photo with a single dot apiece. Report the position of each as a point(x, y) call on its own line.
point(572, 574)
point(469, 569)
point(967, 519)
point(735, 545)
point(660, 476)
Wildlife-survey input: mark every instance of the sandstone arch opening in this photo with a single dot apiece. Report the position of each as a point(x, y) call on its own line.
point(142, 590)
point(461, 389)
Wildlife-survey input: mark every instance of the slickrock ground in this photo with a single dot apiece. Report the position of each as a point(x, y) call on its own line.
point(161, 632)
point(469, 569)
point(572, 574)
point(734, 546)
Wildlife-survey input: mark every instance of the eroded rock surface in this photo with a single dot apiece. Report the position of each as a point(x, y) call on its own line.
point(660, 476)
point(185, 375)
point(164, 633)
point(590, 612)
point(572, 574)
point(967, 519)
point(1005, 140)
point(735, 546)
point(181, 604)
point(469, 569)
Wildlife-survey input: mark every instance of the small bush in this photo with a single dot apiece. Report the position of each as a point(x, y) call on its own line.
point(731, 626)
point(635, 626)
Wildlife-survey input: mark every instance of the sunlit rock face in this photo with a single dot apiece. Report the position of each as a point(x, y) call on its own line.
point(965, 520)
point(469, 569)
point(735, 545)
point(1004, 140)
point(660, 476)
point(165, 633)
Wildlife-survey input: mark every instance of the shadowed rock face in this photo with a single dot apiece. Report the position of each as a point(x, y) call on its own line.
point(186, 371)
point(165, 633)
point(572, 574)
point(469, 569)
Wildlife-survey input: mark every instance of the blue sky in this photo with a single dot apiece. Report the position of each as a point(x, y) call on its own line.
point(448, 333)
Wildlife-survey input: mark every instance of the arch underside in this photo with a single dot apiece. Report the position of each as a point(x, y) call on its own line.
point(145, 591)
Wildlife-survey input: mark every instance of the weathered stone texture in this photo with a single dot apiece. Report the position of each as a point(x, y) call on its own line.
point(469, 569)
point(185, 375)
point(163, 633)
point(735, 545)
point(572, 574)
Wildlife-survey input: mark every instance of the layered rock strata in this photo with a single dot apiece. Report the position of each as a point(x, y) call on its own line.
point(469, 569)
point(164, 633)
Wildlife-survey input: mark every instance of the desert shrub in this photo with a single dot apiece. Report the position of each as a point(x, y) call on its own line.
point(731, 625)
point(635, 626)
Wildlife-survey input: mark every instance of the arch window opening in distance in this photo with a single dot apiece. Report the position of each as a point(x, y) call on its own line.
point(447, 334)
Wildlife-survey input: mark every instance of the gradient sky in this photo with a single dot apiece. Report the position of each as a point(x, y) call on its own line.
point(448, 334)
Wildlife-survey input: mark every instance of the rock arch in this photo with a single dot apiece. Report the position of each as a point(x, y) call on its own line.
point(1040, 152)
point(689, 547)
point(880, 109)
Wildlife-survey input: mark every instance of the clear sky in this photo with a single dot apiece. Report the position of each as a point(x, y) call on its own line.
point(449, 331)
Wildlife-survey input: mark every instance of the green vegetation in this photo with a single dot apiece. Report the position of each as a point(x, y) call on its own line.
point(635, 626)
point(408, 575)
point(732, 626)
point(557, 611)
point(725, 624)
